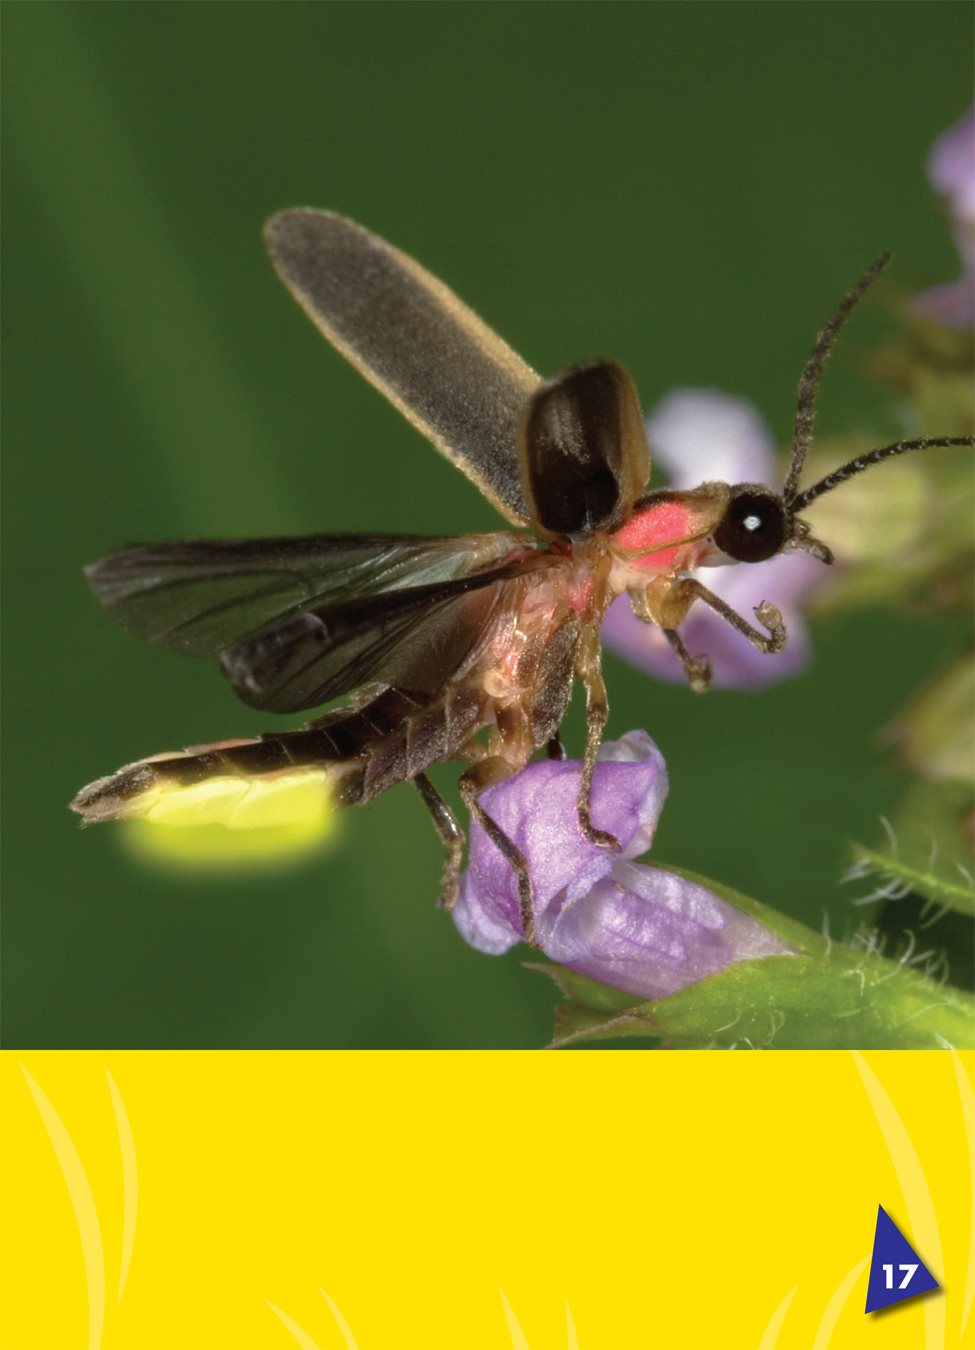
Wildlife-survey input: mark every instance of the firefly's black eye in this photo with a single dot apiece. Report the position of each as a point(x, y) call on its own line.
point(753, 527)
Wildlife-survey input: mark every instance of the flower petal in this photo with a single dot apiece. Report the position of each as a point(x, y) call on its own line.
point(536, 809)
point(653, 933)
point(951, 167)
point(643, 930)
point(703, 436)
point(952, 304)
point(481, 922)
point(951, 170)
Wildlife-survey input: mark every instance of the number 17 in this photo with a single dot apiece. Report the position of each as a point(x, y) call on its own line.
point(889, 1275)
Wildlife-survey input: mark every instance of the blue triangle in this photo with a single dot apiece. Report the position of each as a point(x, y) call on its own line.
point(892, 1278)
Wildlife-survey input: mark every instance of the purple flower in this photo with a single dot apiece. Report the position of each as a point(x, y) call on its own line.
point(598, 912)
point(951, 171)
point(699, 435)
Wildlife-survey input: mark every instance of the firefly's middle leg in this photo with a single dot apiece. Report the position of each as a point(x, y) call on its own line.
point(678, 600)
point(597, 714)
point(478, 777)
point(768, 615)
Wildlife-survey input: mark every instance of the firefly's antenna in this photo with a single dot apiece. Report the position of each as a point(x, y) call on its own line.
point(809, 383)
point(832, 480)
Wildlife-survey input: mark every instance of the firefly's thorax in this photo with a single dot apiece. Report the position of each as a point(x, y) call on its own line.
point(670, 534)
point(712, 525)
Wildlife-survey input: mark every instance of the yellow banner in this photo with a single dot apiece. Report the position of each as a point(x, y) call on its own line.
point(484, 1201)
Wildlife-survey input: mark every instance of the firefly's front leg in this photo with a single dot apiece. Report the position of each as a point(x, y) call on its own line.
point(597, 713)
point(768, 615)
point(696, 668)
point(666, 605)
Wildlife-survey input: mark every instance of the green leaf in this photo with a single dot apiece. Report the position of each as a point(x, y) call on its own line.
point(581, 990)
point(895, 878)
point(928, 852)
point(827, 997)
point(846, 999)
point(574, 1023)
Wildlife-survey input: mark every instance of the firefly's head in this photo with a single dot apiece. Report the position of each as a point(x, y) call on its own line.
point(714, 525)
point(717, 523)
point(754, 526)
point(758, 523)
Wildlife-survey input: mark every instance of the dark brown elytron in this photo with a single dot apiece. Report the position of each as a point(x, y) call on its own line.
point(459, 648)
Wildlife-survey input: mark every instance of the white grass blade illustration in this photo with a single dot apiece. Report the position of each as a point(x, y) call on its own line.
point(130, 1183)
point(571, 1339)
point(83, 1204)
point(914, 1188)
point(340, 1321)
point(831, 1313)
point(770, 1336)
point(968, 1115)
point(518, 1341)
point(299, 1333)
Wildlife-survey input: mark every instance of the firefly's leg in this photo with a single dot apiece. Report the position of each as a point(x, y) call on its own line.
point(597, 712)
point(451, 835)
point(767, 614)
point(696, 668)
point(474, 781)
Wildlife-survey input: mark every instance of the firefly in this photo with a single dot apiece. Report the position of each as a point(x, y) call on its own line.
point(456, 648)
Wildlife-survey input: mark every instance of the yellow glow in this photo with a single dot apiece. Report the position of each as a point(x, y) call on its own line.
point(235, 820)
point(209, 803)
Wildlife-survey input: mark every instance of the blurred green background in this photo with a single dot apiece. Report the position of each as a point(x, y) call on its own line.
point(687, 187)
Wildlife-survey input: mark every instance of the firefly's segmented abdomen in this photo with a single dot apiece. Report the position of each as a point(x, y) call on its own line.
point(351, 754)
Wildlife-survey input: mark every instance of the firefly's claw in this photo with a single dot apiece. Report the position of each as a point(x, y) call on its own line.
point(770, 617)
point(698, 670)
point(449, 888)
point(601, 838)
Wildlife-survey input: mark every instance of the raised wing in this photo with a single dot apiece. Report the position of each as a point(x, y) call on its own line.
point(414, 639)
point(203, 596)
point(444, 369)
point(583, 449)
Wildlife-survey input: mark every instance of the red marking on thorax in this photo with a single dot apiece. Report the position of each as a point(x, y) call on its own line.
point(657, 524)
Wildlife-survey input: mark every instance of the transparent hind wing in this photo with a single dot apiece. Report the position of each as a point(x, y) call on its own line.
point(202, 596)
point(414, 640)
